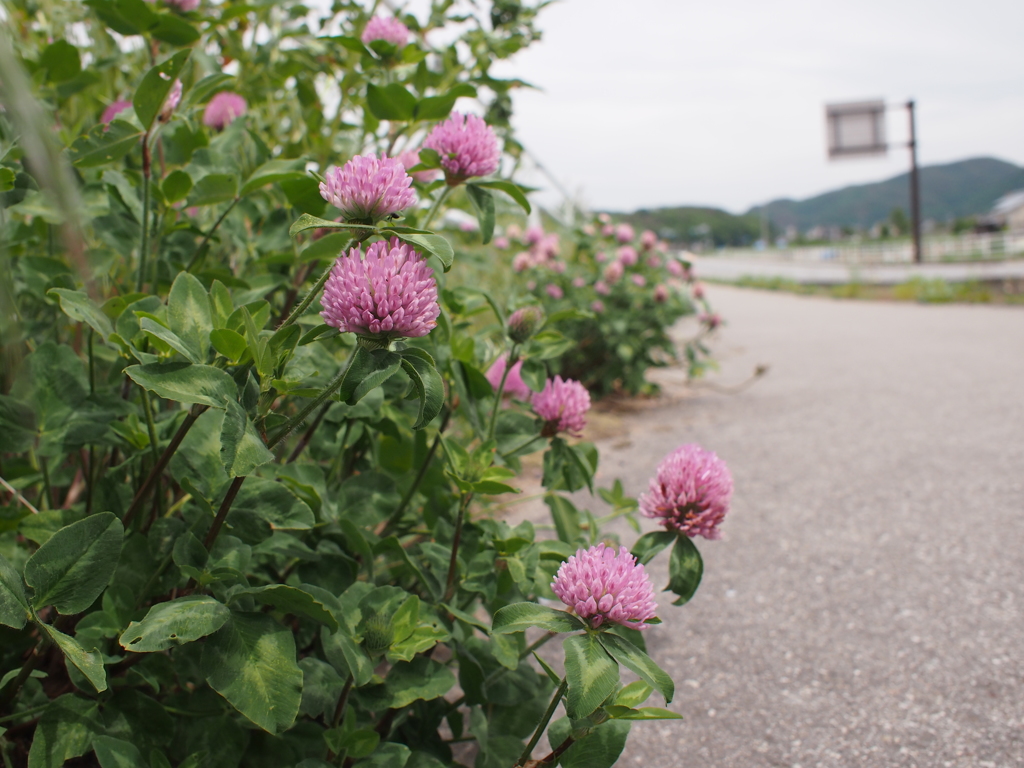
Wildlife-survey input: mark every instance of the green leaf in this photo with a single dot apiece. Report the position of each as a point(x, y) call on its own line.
point(634, 694)
point(274, 503)
point(175, 623)
point(408, 681)
point(272, 172)
point(89, 663)
point(591, 674)
point(601, 748)
point(439, 107)
point(116, 753)
point(432, 244)
point(65, 731)
point(518, 617)
point(512, 190)
point(304, 195)
point(241, 448)
point(160, 332)
point(126, 17)
point(7, 177)
point(367, 371)
point(483, 204)
point(155, 86)
point(392, 102)
point(176, 186)
point(633, 658)
point(185, 383)
point(565, 517)
point(306, 221)
point(391, 754)
point(61, 61)
point(188, 314)
point(420, 367)
point(685, 568)
point(14, 608)
point(202, 90)
point(74, 566)
point(250, 661)
point(346, 655)
point(104, 144)
point(645, 713)
point(79, 307)
point(173, 29)
point(214, 188)
point(650, 544)
point(229, 343)
point(292, 600)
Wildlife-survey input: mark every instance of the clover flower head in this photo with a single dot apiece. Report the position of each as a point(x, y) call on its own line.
point(588, 229)
point(613, 272)
point(648, 239)
point(711, 319)
point(624, 233)
point(554, 291)
point(602, 288)
point(600, 257)
point(501, 243)
point(661, 293)
point(604, 218)
point(525, 322)
point(223, 109)
point(698, 291)
point(410, 159)
point(522, 261)
point(690, 492)
point(513, 232)
point(114, 110)
point(389, 293)
point(533, 235)
point(563, 404)
point(514, 385)
point(550, 245)
point(185, 6)
point(597, 306)
point(638, 280)
point(627, 255)
point(608, 230)
point(654, 261)
point(675, 268)
point(579, 282)
point(467, 145)
point(602, 585)
point(368, 188)
point(171, 102)
point(386, 28)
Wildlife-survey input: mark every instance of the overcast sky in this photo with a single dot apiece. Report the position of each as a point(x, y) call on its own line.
point(649, 103)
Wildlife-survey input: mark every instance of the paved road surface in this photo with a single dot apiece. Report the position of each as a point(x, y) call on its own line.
point(866, 607)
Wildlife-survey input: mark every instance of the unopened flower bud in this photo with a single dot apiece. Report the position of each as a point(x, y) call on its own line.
point(524, 323)
point(377, 634)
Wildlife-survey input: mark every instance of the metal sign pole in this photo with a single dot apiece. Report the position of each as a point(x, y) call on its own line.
point(915, 187)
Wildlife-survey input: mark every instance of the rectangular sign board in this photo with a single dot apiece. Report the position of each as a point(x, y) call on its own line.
point(856, 129)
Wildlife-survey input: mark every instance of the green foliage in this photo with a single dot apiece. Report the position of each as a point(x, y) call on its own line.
point(232, 535)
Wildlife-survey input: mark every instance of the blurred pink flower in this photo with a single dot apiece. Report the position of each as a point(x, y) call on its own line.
point(698, 291)
point(386, 28)
point(514, 385)
point(563, 404)
point(602, 287)
point(638, 279)
point(712, 320)
point(597, 306)
point(468, 226)
point(624, 233)
point(513, 231)
point(467, 145)
point(608, 230)
point(549, 245)
point(558, 267)
point(600, 257)
point(368, 189)
point(627, 255)
point(690, 492)
point(185, 6)
point(171, 102)
point(654, 261)
point(675, 268)
point(604, 218)
point(389, 293)
point(554, 291)
point(601, 585)
point(521, 261)
point(501, 243)
point(223, 109)
point(114, 110)
point(588, 229)
point(661, 293)
point(533, 235)
point(648, 239)
point(410, 159)
point(579, 282)
point(524, 322)
point(613, 272)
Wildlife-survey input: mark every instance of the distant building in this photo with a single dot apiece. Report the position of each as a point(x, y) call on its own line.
point(1008, 211)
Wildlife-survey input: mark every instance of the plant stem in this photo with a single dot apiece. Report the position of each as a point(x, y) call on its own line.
point(434, 208)
point(31, 663)
point(144, 245)
point(308, 435)
point(454, 562)
point(321, 281)
point(222, 512)
point(161, 463)
point(206, 239)
point(17, 494)
point(513, 358)
point(147, 407)
point(339, 711)
point(544, 720)
point(25, 712)
point(392, 521)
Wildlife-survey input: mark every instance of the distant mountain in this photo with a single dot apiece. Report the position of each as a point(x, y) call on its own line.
point(951, 191)
point(693, 224)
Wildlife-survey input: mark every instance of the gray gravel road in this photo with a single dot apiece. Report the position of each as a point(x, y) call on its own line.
point(866, 607)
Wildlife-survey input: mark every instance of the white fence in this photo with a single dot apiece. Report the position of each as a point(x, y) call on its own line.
point(989, 246)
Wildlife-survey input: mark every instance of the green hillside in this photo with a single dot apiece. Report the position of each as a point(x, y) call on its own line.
point(692, 224)
point(954, 190)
